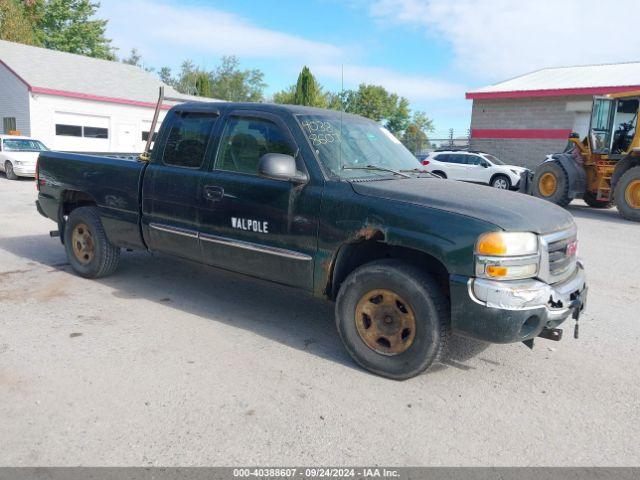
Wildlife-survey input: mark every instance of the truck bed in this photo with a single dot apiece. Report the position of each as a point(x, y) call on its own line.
point(115, 186)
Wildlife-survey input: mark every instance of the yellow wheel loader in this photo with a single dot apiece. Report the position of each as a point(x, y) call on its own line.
point(603, 168)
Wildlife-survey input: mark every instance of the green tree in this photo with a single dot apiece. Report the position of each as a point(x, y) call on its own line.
point(414, 137)
point(374, 102)
point(15, 23)
point(286, 96)
point(229, 82)
point(69, 26)
point(202, 84)
point(307, 91)
point(134, 58)
point(166, 76)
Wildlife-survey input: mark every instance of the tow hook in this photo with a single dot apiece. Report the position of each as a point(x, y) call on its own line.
point(554, 334)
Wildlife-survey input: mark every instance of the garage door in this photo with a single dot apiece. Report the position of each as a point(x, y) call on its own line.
point(81, 133)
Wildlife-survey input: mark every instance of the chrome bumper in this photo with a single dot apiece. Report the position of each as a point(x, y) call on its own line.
point(558, 299)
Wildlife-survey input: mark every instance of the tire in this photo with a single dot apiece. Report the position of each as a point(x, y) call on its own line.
point(8, 171)
point(560, 193)
point(501, 182)
point(425, 303)
point(590, 199)
point(627, 194)
point(89, 252)
point(621, 167)
point(439, 174)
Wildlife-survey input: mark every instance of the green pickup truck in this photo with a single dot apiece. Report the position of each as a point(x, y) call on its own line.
point(332, 204)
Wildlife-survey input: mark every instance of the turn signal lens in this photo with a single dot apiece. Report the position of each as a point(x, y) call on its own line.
point(495, 271)
point(511, 272)
point(507, 243)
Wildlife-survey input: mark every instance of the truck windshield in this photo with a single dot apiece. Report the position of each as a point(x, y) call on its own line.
point(23, 145)
point(354, 147)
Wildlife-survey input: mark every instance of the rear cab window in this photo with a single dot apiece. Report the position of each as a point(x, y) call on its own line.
point(187, 139)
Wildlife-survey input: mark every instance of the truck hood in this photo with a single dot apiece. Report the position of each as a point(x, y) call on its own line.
point(510, 211)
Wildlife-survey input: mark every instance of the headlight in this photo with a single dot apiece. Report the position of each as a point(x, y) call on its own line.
point(515, 171)
point(507, 255)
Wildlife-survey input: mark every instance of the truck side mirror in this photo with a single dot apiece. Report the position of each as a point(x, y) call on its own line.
point(280, 167)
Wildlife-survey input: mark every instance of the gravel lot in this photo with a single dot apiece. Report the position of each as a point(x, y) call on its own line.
point(170, 363)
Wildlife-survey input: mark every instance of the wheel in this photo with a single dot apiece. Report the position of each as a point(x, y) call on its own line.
point(8, 171)
point(627, 194)
point(501, 181)
point(621, 167)
point(89, 251)
point(551, 183)
point(393, 318)
point(439, 174)
point(590, 199)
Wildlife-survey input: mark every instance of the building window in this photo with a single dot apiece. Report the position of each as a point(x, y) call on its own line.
point(145, 136)
point(69, 130)
point(96, 132)
point(9, 124)
point(79, 131)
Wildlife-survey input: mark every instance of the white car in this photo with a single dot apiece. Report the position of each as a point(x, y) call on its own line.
point(476, 167)
point(18, 156)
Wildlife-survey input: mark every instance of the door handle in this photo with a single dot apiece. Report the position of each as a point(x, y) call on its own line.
point(213, 193)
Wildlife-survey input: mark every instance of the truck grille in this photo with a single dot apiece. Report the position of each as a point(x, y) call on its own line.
point(559, 256)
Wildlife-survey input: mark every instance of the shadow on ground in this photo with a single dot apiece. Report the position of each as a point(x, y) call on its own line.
point(286, 315)
point(609, 215)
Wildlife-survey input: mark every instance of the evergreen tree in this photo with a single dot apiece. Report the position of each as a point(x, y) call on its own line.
point(308, 92)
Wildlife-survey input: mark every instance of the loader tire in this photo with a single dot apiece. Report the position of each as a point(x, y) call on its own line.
point(627, 194)
point(551, 183)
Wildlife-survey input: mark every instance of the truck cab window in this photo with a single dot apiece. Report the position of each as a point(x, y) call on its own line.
point(187, 140)
point(245, 140)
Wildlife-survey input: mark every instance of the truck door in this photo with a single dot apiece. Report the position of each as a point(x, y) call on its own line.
point(171, 195)
point(254, 225)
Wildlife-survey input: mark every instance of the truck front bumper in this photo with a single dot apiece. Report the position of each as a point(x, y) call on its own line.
point(514, 311)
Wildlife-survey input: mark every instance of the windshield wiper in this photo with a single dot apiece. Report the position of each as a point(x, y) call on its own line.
point(380, 169)
point(418, 170)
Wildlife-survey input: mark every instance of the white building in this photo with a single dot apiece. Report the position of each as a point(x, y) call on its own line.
point(76, 103)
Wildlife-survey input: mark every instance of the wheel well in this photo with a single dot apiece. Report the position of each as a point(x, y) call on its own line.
point(495, 175)
point(354, 255)
point(440, 172)
point(622, 167)
point(72, 199)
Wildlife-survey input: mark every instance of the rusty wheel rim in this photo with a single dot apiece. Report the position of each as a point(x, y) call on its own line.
point(548, 184)
point(632, 194)
point(385, 322)
point(82, 244)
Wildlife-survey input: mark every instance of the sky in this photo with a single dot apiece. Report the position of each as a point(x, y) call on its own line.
point(430, 51)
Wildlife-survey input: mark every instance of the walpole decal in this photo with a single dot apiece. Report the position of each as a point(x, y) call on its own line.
point(250, 225)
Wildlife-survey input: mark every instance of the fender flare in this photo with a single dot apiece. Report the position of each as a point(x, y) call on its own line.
point(575, 174)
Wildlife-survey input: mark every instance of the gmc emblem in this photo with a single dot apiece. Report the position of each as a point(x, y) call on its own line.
point(572, 248)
